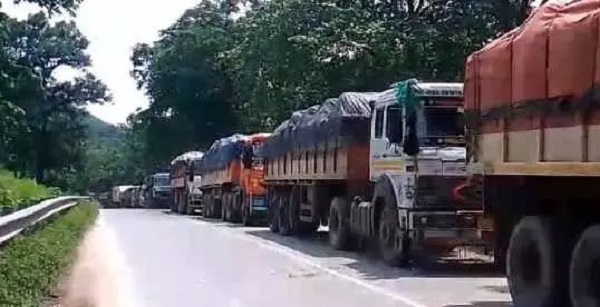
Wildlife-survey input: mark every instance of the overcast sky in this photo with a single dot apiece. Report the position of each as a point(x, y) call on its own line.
point(113, 28)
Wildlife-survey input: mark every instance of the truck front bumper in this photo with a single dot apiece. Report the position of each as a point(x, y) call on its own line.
point(446, 230)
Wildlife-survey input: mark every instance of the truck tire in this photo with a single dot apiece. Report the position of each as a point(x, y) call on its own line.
point(208, 213)
point(273, 213)
point(225, 207)
point(294, 210)
point(237, 205)
point(536, 275)
point(394, 245)
point(340, 236)
point(246, 218)
point(283, 214)
point(585, 269)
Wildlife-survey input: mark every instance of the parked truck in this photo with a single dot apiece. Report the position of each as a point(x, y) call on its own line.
point(185, 182)
point(118, 195)
point(232, 179)
point(387, 168)
point(158, 191)
point(534, 148)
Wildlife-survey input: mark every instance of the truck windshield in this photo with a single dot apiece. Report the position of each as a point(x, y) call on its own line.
point(161, 181)
point(441, 126)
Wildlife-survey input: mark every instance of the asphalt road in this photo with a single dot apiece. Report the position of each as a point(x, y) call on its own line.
point(187, 261)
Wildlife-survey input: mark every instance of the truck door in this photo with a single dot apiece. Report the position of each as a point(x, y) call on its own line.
point(387, 128)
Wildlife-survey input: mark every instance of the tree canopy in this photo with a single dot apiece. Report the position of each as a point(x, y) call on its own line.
point(233, 65)
point(41, 129)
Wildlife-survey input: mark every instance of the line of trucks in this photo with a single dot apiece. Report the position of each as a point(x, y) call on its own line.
point(509, 161)
point(155, 192)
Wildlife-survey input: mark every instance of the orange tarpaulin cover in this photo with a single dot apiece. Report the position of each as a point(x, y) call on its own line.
point(530, 55)
point(494, 72)
point(554, 53)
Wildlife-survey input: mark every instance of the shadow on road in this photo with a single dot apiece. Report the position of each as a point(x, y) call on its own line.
point(369, 264)
point(483, 304)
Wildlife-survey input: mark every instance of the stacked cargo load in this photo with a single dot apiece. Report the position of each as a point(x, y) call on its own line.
point(184, 174)
point(232, 176)
point(318, 142)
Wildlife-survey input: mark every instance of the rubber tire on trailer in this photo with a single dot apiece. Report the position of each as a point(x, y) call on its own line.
point(294, 210)
point(225, 207)
point(585, 269)
point(273, 214)
point(208, 213)
point(237, 206)
point(340, 235)
point(532, 251)
point(246, 218)
point(283, 214)
point(397, 255)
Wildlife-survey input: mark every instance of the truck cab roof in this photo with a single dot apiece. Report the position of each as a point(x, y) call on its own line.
point(422, 89)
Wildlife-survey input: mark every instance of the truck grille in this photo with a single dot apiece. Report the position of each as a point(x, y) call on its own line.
point(437, 192)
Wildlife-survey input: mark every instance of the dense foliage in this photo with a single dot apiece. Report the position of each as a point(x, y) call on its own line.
point(16, 193)
point(42, 134)
point(31, 266)
point(235, 65)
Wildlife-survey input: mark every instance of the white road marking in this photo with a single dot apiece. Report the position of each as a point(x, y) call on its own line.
point(303, 259)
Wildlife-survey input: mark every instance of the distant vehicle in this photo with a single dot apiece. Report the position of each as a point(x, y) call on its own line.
point(138, 197)
point(117, 199)
point(232, 179)
point(158, 191)
point(185, 182)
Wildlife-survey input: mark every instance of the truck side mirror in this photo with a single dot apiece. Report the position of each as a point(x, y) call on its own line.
point(411, 143)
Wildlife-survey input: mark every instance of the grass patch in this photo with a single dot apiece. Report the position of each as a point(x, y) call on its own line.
point(31, 266)
point(17, 193)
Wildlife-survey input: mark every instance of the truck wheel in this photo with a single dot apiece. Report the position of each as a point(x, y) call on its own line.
point(585, 269)
point(536, 275)
point(393, 243)
point(237, 205)
point(340, 236)
point(273, 214)
point(283, 214)
point(294, 210)
point(246, 218)
point(208, 213)
point(225, 204)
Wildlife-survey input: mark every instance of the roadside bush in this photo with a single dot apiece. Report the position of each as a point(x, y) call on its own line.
point(18, 193)
point(32, 265)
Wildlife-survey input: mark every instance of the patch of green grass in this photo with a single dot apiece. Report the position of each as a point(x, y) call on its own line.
point(17, 193)
point(32, 265)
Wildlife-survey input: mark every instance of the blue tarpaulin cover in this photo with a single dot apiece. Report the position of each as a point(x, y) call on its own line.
point(222, 152)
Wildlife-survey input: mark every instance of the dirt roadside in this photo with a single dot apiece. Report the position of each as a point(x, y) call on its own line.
point(99, 276)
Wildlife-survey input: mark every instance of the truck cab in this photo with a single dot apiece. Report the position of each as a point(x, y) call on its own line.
point(158, 190)
point(417, 167)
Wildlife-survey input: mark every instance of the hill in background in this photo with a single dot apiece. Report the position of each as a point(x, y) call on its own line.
point(101, 131)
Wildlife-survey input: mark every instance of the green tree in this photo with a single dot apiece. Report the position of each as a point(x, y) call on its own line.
point(53, 139)
point(219, 69)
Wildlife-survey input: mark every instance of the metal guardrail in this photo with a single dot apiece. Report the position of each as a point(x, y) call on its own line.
point(13, 224)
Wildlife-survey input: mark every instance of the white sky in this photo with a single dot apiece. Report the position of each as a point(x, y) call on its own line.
point(113, 28)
